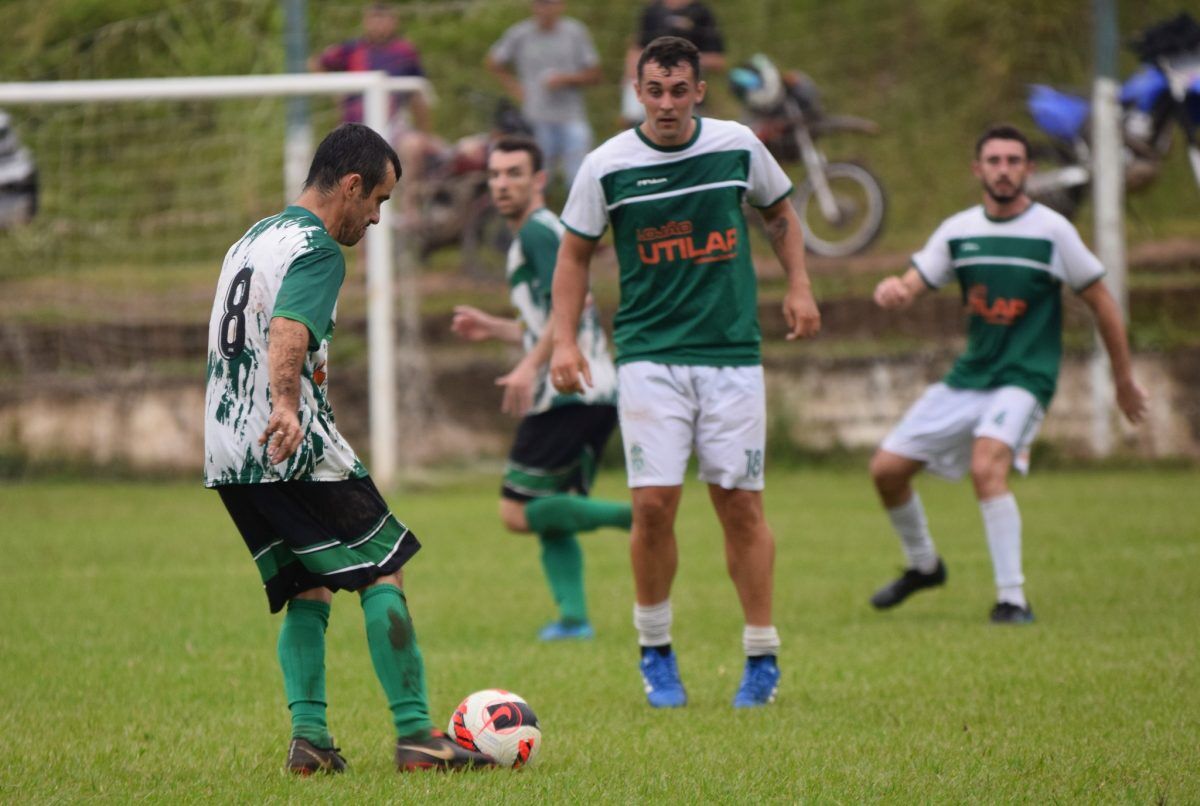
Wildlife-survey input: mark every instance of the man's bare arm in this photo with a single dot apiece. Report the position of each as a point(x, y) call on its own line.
point(899, 291)
point(508, 79)
point(787, 239)
point(569, 294)
point(472, 324)
point(288, 343)
point(1131, 398)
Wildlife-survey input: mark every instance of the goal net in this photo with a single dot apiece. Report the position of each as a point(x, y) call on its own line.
point(138, 187)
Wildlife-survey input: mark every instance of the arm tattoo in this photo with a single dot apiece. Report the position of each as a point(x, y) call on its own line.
point(777, 230)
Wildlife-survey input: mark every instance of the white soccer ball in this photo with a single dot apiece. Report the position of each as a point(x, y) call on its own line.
point(498, 723)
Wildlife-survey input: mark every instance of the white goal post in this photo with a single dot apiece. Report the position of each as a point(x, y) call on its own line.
point(375, 88)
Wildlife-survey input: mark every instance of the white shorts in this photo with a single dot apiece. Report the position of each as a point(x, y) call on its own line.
point(669, 410)
point(941, 427)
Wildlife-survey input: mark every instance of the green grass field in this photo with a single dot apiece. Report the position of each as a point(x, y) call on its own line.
point(137, 654)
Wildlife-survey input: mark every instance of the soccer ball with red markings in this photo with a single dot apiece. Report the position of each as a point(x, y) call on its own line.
point(498, 723)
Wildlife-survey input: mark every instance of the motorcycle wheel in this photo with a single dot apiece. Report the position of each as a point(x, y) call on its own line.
point(861, 204)
point(485, 242)
point(1063, 200)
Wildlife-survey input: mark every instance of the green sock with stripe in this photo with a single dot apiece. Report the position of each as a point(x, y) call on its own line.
point(562, 560)
point(397, 659)
point(302, 658)
point(575, 513)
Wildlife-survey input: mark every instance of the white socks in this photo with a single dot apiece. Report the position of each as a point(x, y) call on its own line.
point(653, 623)
point(909, 522)
point(759, 641)
point(1002, 523)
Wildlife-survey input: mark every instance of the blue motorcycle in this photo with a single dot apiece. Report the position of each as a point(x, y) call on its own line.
point(1163, 94)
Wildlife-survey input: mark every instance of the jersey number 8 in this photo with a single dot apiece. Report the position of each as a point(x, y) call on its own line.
point(232, 334)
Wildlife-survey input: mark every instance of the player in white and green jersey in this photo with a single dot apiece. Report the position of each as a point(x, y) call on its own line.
point(553, 458)
point(308, 512)
point(687, 337)
point(1011, 258)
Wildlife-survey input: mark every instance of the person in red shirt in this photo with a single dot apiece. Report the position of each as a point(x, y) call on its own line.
point(381, 47)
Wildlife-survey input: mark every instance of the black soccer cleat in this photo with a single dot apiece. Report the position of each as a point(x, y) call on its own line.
point(305, 758)
point(907, 584)
point(438, 752)
point(1009, 613)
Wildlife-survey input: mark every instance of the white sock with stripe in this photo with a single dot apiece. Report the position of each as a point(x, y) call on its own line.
point(1002, 524)
point(758, 641)
point(909, 522)
point(653, 623)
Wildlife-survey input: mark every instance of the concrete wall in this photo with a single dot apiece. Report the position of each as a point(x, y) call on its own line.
point(822, 405)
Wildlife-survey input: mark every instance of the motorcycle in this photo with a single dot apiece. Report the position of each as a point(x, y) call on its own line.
point(840, 204)
point(1163, 93)
point(453, 205)
point(18, 178)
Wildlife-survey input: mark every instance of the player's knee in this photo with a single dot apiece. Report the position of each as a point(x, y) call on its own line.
point(653, 514)
point(512, 515)
point(316, 595)
point(989, 474)
point(886, 473)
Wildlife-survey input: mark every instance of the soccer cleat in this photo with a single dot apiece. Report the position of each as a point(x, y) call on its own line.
point(305, 758)
point(438, 752)
point(760, 682)
point(907, 584)
point(660, 674)
point(562, 631)
point(1009, 613)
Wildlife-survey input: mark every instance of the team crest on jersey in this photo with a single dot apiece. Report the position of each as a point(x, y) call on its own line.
point(1001, 311)
point(678, 240)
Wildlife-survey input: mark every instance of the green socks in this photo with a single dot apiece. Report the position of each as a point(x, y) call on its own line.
point(397, 659)
point(302, 658)
point(575, 513)
point(562, 560)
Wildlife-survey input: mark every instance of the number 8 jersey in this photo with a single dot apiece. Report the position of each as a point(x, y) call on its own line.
point(288, 266)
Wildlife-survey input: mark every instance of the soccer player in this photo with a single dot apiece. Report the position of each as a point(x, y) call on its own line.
point(689, 365)
point(1011, 257)
point(553, 458)
point(309, 514)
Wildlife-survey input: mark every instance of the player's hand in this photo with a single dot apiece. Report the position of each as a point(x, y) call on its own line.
point(470, 323)
point(801, 314)
point(518, 390)
point(892, 293)
point(554, 81)
point(1132, 399)
point(282, 436)
point(569, 370)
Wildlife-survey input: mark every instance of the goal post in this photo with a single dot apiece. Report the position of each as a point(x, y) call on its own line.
point(376, 88)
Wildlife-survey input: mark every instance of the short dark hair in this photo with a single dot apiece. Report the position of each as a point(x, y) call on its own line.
point(1001, 131)
point(351, 148)
point(669, 52)
point(511, 143)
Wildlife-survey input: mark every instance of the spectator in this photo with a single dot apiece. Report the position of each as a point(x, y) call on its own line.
point(543, 63)
point(382, 48)
point(687, 19)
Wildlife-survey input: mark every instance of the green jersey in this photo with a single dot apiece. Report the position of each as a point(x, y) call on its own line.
point(1011, 272)
point(688, 291)
point(287, 266)
point(531, 259)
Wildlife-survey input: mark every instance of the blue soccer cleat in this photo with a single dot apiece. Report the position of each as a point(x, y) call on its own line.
point(562, 631)
point(760, 681)
point(660, 675)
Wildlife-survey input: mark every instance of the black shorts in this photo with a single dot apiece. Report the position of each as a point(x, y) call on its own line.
point(313, 534)
point(556, 451)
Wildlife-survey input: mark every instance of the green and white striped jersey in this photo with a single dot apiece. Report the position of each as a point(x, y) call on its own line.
point(1011, 272)
point(688, 291)
point(530, 270)
point(289, 266)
